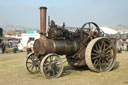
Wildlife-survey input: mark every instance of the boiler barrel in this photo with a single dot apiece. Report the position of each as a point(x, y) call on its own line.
point(67, 47)
point(62, 47)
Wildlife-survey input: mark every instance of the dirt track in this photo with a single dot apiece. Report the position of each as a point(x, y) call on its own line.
point(12, 72)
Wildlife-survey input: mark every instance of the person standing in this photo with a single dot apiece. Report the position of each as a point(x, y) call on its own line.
point(3, 46)
point(127, 44)
point(120, 45)
point(29, 46)
point(0, 46)
point(15, 49)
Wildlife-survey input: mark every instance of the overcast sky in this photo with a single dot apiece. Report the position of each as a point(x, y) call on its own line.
point(73, 12)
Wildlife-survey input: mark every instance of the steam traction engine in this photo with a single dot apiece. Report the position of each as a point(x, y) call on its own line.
point(84, 46)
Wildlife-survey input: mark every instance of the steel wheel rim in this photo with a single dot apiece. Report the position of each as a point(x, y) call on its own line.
point(100, 58)
point(32, 64)
point(51, 66)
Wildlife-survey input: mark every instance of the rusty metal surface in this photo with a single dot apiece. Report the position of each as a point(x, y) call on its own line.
point(43, 12)
point(67, 47)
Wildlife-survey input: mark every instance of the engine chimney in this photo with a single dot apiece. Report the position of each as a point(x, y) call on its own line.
point(43, 11)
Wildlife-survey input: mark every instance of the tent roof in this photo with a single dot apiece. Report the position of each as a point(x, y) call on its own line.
point(108, 30)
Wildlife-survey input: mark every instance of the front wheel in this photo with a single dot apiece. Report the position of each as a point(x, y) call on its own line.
point(32, 63)
point(51, 66)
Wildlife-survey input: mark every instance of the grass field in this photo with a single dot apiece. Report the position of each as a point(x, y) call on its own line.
point(12, 72)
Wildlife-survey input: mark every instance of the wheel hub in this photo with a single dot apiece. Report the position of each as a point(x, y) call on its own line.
point(35, 63)
point(102, 55)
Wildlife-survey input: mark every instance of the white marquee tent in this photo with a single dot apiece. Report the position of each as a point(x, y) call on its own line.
point(108, 30)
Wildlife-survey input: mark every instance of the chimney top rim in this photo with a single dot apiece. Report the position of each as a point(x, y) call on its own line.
point(43, 7)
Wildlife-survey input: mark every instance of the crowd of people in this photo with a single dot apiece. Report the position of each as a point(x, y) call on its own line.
point(7, 44)
point(123, 45)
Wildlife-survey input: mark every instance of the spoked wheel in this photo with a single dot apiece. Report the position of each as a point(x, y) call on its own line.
point(100, 55)
point(51, 66)
point(32, 63)
point(91, 29)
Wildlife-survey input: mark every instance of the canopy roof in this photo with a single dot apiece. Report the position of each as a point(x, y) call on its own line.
point(108, 30)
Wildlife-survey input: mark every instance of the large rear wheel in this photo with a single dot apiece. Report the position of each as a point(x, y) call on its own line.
point(100, 55)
